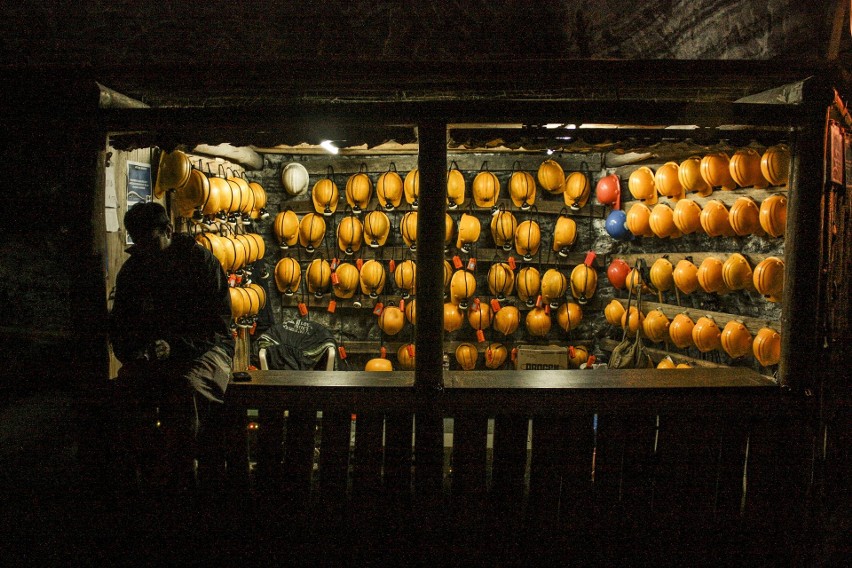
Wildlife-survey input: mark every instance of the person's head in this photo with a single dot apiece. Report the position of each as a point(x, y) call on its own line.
point(149, 226)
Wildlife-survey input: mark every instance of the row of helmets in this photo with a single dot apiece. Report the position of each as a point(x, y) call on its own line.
point(391, 188)
point(352, 233)
point(233, 251)
point(745, 217)
point(713, 276)
point(197, 194)
point(734, 339)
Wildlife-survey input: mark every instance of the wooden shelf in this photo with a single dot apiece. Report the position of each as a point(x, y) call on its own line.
point(728, 197)
point(752, 324)
point(697, 257)
point(659, 354)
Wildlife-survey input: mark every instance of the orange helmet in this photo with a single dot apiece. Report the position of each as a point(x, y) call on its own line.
point(737, 273)
point(577, 190)
point(378, 364)
point(372, 278)
point(501, 280)
point(411, 187)
point(528, 284)
point(569, 315)
point(641, 185)
point(453, 317)
point(288, 275)
point(775, 164)
point(736, 339)
point(706, 334)
point(522, 189)
point(408, 228)
point(479, 315)
point(486, 189)
point(656, 326)
point(768, 278)
point(577, 355)
point(462, 287)
point(325, 197)
point(405, 277)
point(389, 189)
point(348, 279)
point(411, 311)
point(507, 319)
point(551, 176)
point(689, 175)
point(359, 190)
point(744, 217)
point(687, 216)
point(715, 220)
point(662, 275)
point(564, 235)
point(456, 186)
point(613, 312)
point(716, 171)
point(632, 319)
point(467, 355)
point(680, 330)
point(349, 234)
point(710, 276)
point(376, 228)
point(503, 226)
point(495, 355)
point(666, 363)
point(745, 168)
point(469, 229)
point(686, 276)
point(286, 228)
point(667, 183)
point(527, 239)
point(553, 286)
point(391, 320)
point(319, 276)
point(538, 322)
point(311, 231)
point(767, 346)
point(449, 230)
point(773, 215)
point(584, 282)
point(405, 356)
point(639, 220)
point(662, 222)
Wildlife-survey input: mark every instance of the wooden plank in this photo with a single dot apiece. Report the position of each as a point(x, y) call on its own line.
point(236, 449)
point(510, 457)
point(334, 456)
point(398, 431)
point(639, 469)
point(697, 257)
point(270, 449)
point(470, 432)
point(299, 446)
point(368, 453)
point(752, 324)
point(658, 354)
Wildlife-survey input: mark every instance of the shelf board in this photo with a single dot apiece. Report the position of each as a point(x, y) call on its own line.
point(659, 354)
point(752, 324)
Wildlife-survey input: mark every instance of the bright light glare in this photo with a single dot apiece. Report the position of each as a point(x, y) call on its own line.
point(329, 147)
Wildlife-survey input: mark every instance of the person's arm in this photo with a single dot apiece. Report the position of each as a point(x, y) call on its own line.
point(127, 344)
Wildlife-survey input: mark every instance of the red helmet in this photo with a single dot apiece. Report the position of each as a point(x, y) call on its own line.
point(608, 191)
point(617, 273)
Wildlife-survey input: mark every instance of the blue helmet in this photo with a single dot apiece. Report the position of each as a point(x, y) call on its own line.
point(616, 226)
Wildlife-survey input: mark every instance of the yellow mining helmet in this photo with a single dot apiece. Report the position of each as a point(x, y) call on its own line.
point(662, 222)
point(495, 355)
point(405, 355)
point(288, 276)
point(613, 312)
point(554, 284)
point(768, 278)
point(503, 226)
point(680, 331)
point(173, 172)
point(667, 182)
point(449, 230)
point(479, 315)
point(689, 175)
point(376, 228)
point(744, 217)
point(528, 284)
point(350, 233)
point(641, 185)
point(584, 282)
point(715, 220)
point(359, 190)
point(319, 277)
point(773, 215)
point(745, 168)
point(551, 176)
point(507, 319)
point(286, 228)
point(522, 189)
point(391, 320)
point(737, 273)
point(456, 186)
point(656, 326)
point(527, 239)
point(716, 171)
point(639, 220)
point(501, 280)
point(538, 322)
point(662, 275)
point(411, 187)
point(564, 235)
point(408, 228)
point(405, 277)
point(325, 197)
point(378, 364)
point(486, 189)
point(569, 315)
point(466, 355)
point(453, 318)
point(775, 164)
point(411, 311)
point(348, 279)
point(389, 189)
point(632, 319)
point(736, 339)
point(687, 216)
point(372, 278)
point(462, 287)
point(706, 334)
point(577, 191)
point(469, 229)
point(767, 346)
point(710, 276)
point(686, 276)
point(311, 231)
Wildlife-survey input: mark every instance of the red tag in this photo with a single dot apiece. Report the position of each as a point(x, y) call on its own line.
point(341, 350)
point(511, 261)
point(457, 262)
point(253, 327)
point(590, 258)
point(232, 280)
point(538, 301)
point(410, 348)
point(480, 336)
point(359, 263)
point(476, 302)
point(377, 309)
point(590, 362)
point(335, 279)
point(335, 262)
point(488, 355)
point(401, 305)
point(332, 305)
point(383, 352)
point(495, 305)
point(471, 264)
point(547, 309)
point(239, 279)
point(392, 265)
point(571, 352)
point(514, 353)
point(303, 309)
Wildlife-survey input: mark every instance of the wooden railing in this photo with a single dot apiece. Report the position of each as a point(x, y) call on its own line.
point(548, 462)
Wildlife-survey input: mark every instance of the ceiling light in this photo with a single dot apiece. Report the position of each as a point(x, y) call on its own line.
point(329, 147)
